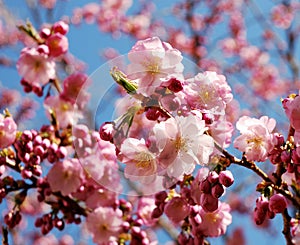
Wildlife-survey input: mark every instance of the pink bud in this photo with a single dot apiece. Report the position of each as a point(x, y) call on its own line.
point(213, 177)
point(226, 178)
point(208, 118)
point(152, 114)
point(106, 131)
point(175, 85)
point(277, 203)
point(45, 32)
point(217, 190)
point(205, 186)
point(156, 213)
point(43, 49)
point(60, 27)
point(58, 44)
point(209, 203)
point(261, 210)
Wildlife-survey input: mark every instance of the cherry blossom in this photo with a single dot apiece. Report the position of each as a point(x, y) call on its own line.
point(152, 62)
point(35, 67)
point(213, 224)
point(186, 136)
point(65, 176)
point(208, 92)
point(140, 162)
point(104, 223)
point(64, 111)
point(256, 139)
point(8, 131)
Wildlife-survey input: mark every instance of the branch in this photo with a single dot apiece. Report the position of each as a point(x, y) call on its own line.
point(252, 166)
point(286, 227)
point(5, 236)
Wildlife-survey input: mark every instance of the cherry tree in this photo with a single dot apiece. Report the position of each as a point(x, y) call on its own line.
point(203, 125)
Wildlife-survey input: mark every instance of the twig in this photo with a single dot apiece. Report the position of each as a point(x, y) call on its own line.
point(286, 227)
point(5, 236)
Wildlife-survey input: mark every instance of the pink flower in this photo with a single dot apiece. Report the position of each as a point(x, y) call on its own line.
point(65, 176)
point(221, 131)
point(74, 89)
point(213, 224)
point(295, 225)
point(146, 205)
point(282, 16)
point(104, 224)
point(153, 62)
point(65, 112)
point(277, 203)
point(8, 131)
point(256, 139)
point(49, 4)
point(35, 67)
point(177, 209)
point(58, 44)
point(101, 198)
point(140, 162)
point(292, 110)
point(208, 92)
point(182, 144)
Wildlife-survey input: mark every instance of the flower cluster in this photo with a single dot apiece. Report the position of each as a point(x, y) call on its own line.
point(177, 117)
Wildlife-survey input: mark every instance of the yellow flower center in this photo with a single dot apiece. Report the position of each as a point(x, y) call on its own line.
point(257, 141)
point(212, 217)
point(152, 67)
point(180, 144)
point(143, 159)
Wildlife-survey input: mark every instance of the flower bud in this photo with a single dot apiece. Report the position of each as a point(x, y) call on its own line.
point(277, 203)
point(217, 190)
point(213, 177)
point(205, 186)
point(209, 203)
point(261, 210)
point(60, 27)
point(152, 114)
point(106, 131)
point(175, 85)
point(226, 178)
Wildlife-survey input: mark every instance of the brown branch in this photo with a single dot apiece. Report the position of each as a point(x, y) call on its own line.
point(286, 227)
point(252, 166)
point(5, 236)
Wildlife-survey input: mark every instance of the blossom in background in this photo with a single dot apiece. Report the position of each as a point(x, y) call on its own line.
point(153, 62)
point(104, 223)
point(282, 16)
point(64, 111)
point(182, 144)
point(65, 176)
point(74, 89)
point(292, 110)
point(295, 225)
point(140, 163)
point(256, 139)
point(35, 66)
point(8, 131)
